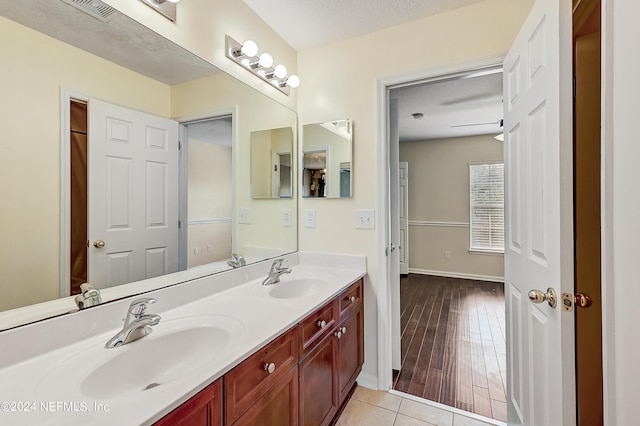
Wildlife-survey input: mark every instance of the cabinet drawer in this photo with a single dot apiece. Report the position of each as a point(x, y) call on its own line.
point(317, 325)
point(249, 381)
point(350, 298)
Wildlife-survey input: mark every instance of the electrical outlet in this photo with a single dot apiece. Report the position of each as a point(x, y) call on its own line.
point(365, 219)
point(310, 218)
point(244, 215)
point(286, 217)
point(447, 254)
point(196, 251)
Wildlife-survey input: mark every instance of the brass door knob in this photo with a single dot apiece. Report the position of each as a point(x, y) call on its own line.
point(98, 243)
point(537, 296)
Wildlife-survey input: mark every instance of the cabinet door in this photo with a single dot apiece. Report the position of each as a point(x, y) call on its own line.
point(278, 407)
point(350, 352)
point(318, 390)
point(203, 409)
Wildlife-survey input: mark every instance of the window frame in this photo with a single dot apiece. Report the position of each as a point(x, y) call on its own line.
point(476, 249)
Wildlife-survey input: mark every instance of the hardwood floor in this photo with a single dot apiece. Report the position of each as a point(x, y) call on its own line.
point(453, 343)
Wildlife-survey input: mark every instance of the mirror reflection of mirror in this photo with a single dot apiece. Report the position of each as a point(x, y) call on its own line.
point(271, 169)
point(37, 256)
point(327, 159)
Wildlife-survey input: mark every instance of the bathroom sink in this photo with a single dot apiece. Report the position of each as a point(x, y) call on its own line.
point(154, 362)
point(295, 288)
point(173, 351)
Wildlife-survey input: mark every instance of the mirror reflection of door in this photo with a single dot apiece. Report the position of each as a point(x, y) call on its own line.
point(281, 180)
point(314, 173)
point(123, 195)
point(209, 191)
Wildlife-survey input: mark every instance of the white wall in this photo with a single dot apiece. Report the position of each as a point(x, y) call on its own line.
point(439, 204)
point(340, 81)
point(621, 210)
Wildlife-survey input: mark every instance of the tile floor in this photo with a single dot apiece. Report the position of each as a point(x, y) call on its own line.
point(379, 408)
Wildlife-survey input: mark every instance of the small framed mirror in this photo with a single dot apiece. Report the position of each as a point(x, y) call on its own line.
point(271, 165)
point(327, 159)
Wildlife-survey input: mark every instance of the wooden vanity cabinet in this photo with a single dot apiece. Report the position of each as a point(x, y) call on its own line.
point(250, 381)
point(203, 409)
point(302, 377)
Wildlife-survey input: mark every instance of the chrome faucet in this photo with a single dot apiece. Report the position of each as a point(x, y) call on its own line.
point(275, 272)
point(90, 296)
point(236, 261)
point(137, 324)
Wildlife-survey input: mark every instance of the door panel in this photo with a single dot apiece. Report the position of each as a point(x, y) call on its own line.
point(539, 215)
point(133, 195)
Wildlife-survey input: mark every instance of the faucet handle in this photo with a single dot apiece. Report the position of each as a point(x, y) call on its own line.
point(139, 306)
point(278, 262)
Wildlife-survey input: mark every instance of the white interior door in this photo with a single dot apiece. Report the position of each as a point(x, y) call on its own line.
point(538, 217)
point(403, 212)
point(133, 195)
point(394, 237)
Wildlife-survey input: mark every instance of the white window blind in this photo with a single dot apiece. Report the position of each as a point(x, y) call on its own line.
point(486, 184)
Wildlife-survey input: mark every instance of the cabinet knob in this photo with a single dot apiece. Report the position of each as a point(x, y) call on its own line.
point(270, 367)
point(322, 324)
point(352, 299)
point(344, 330)
point(338, 334)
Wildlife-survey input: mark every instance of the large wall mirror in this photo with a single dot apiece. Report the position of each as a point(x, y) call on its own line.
point(327, 159)
point(57, 56)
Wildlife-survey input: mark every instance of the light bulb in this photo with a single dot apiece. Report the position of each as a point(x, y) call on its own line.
point(173, 1)
point(293, 81)
point(249, 48)
point(280, 71)
point(266, 60)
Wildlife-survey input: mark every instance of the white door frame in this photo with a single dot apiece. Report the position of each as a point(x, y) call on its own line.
point(383, 275)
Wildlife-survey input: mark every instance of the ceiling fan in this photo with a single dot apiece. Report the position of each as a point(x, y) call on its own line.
point(491, 123)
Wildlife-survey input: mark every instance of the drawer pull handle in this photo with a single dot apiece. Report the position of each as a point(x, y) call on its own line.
point(352, 299)
point(322, 324)
point(338, 334)
point(344, 330)
point(270, 367)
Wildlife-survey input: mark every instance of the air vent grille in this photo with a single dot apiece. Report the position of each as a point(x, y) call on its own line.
point(95, 8)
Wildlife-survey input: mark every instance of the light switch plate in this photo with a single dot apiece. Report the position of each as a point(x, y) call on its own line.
point(365, 219)
point(286, 217)
point(244, 215)
point(310, 218)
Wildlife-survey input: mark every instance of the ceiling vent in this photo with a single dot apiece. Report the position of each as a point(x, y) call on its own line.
point(95, 8)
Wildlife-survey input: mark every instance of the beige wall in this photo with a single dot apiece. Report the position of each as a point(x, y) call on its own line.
point(210, 198)
point(34, 70)
point(340, 81)
point(439, 205)
point(253, 111)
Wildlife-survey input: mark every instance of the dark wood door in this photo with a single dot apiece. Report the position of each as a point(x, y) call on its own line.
point(350, 352)
point(318, 390)
point(278, 407)
point(203, 409)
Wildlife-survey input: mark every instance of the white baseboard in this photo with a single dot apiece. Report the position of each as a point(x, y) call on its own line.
point(368, 381)
point(456, 275)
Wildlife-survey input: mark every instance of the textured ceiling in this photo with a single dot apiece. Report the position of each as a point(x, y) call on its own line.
point(117, 38)
point(310, 23)
point(451, 108)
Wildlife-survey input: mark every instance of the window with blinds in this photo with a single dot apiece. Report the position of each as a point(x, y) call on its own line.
point(486, 188)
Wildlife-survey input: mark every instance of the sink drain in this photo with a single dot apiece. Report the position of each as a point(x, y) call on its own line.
point(151, 386)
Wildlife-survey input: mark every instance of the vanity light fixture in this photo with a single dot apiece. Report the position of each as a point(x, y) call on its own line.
point(260, 64)
point(166, 8)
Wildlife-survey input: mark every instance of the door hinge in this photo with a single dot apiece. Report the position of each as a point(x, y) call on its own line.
point(179, 224)
point(179, 146)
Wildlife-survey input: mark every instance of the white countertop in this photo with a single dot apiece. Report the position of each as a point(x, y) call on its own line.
point(43, 364)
